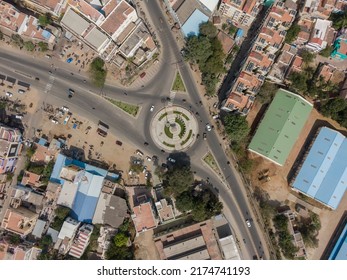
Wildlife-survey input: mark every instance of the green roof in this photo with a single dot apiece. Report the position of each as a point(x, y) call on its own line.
point(281, 126)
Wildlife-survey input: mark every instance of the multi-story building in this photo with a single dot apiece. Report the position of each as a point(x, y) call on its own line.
point(10, 148)
point(19, 220)
point(110, 29)
point(260, 58)
point(240, 11)
point(81, 241)
point(54, 7)
point(321, 36)
point(322, 8)
point(12, 21)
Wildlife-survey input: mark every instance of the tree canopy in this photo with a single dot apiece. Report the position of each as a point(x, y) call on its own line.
point(206, 51)
point(267, 92)
point(45, 20)
point(98, 72)
point(339, 19)
point(292, 33)
point(178, 180)
point(236, 127)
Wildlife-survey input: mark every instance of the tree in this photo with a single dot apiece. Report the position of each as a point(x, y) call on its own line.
point(236, 127)
point(119, 253)
point(98, 72)
point(120, 239)
point(292, 33)
point(43, 46)
point(29, 46)
point(307, 56)
point(184, 202)
point(232, 30)
point(61, 212)
point(298, 81)
point(178, 180)
point(339, 19)
point(267, 92)
point(45, 20)
point(208, 29)
point(224, 26)
point(333, 107)
point(17, 40)
point(327, 51)
point(198, 49)
point(15, 239)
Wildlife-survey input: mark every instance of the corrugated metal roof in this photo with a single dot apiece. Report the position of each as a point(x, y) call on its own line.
point(339, 251)
point(323, 174)
point(74, 22)
point(281, 126)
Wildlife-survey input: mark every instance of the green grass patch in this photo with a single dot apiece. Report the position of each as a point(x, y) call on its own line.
point(128, 108)
point(182, 127)
point(168, 132)
point(186, 140)
point(169, 145)
point(211, 162)
point(162, 116)
point(178, 84)
point(181, 114)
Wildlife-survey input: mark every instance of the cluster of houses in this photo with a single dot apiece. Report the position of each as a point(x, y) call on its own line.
point(112, 28)
point(266, 58)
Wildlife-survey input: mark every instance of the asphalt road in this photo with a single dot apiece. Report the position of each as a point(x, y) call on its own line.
point(88, 103)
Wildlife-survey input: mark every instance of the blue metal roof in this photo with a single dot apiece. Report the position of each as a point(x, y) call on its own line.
point(340, 249)
point(42, 142)
point(191, 26)
point(323, 175)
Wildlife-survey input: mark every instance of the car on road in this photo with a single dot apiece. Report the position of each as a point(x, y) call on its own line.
point(152, 108)
point(208, 127)
point(119, 143)
point(171, 160)
point(143, 74)
point(146, 144)
point(9, 94)
point(37, 79)
point(71, 92)
point(65, 109)
point(20, 91)
point(204, 135)
point(248, 223)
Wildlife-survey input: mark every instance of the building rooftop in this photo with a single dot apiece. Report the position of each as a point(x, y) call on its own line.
point(111, 210)
point(10, 17)
point(74, 22)
point(81, 241)
point(19, 220)
point(96, 38)
point(39, 228)
point(191, 25)
point(194, 242)
point(226, 41)
point(87, 10)
point(281, 126)
point(117, 18)
point(143, 217)
point(323, 174)
point(165, 210)
point(69, 228)
point(31, 179)
point(339, 251)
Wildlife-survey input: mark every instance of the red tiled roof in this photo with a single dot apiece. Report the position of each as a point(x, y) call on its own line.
point(31, 179)
point(297, 62)
point(117, 17)
point(144, 218)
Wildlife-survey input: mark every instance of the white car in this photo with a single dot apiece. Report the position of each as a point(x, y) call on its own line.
point(54, 121)
point(65, 109)
point(9, 94)
point(20, 91)
point(19, 116)
point(171, 160)
point(208, 127)
point(152, 108)
point(149, 158)
point(248, 223)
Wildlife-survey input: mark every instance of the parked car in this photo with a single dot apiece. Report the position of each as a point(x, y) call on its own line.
point(47, 56)
point(37, 79)
point(54, 121)
point(149, 158)
point(19, 116)
point(119, 143)
point(208, 127)
point(138, 152)
point(20, 91)
point(145, 143)
point(65, 109)
point(9, 94)
point(171, 160)
point(216, 116)
point(154, 158)
point(142, 74)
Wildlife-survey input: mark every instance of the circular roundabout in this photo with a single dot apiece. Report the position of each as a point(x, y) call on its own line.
point(174, 128)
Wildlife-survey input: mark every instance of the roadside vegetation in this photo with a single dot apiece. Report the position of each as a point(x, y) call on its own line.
point(98, 72)
point(178, 84)
point(206, 51)
point(211, 162)
point(126, 107)
point(197, 201)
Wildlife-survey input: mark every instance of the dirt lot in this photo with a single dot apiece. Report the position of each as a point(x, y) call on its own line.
point(278, 187)
point(145, 248)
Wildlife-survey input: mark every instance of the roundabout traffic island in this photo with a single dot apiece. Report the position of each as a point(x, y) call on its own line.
point(174, 128)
